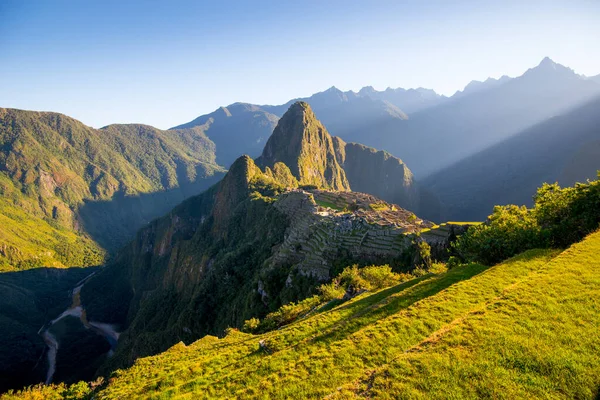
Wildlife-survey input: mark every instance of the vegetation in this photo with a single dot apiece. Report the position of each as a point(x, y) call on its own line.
point(418, 339)
point(69, 192)
point(29, 300)
point(560, 217)
point(351, 282)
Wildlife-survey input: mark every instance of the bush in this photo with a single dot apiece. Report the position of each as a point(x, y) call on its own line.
point(251, 325)
point(380, 276)
point(352, 277)
point(510, 230)
point(438, 268)
point(453, 262)
point(331, 291)
point(560, 217)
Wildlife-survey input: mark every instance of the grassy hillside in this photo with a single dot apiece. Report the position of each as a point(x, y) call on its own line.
point(68, 191)
point(526, 328)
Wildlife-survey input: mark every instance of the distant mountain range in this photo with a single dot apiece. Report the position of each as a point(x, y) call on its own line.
point(427, 131)
point(563, 149)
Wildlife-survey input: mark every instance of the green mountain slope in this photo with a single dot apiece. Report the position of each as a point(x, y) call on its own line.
point(69, 192)
point(526, 328)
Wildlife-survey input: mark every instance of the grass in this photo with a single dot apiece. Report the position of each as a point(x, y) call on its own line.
point(327, 204)
point(526, 328)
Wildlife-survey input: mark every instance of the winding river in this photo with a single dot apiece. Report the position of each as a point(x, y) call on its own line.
point(75, 310)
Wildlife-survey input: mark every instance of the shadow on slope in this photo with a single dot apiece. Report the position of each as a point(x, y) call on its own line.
point(563, 149)
point(29, 300)
point(112, 223)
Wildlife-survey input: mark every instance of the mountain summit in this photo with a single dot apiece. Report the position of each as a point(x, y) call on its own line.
point(302, 143)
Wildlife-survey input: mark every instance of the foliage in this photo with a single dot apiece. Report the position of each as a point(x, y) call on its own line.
point(76, 391)
point(560, 217)
point(67, 191)
point(516, 330)
point(509, 230)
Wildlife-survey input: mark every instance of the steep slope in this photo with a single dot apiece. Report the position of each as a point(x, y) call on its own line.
point(236, 129)
point(418, 339)
point(564, 149)
point(302, 143)
point(316, 158)
point(378, 173)
point(75, 185)
point(439, 136)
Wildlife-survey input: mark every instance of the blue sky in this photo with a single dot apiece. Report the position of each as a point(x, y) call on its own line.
point(166, 62)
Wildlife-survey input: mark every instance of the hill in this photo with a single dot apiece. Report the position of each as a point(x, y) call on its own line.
point(563, 149)
point(416, 339)
point(270, 232)
point(235, 130)
point(70, 192)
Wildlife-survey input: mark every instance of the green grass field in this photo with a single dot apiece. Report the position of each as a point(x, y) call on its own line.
point(526, 328)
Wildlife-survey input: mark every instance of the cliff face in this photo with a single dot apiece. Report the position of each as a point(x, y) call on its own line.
point(316, 158)
point(302, 143)
point(378, 173)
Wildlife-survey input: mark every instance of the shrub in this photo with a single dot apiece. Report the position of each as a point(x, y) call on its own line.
point(560, 217)
point(352, 277)
point(453, 262)
point(380, 276)
point(251, 325)
point(438, 268)
point(331, 291)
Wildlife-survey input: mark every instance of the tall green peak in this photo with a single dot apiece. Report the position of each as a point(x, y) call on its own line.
point(301, 142)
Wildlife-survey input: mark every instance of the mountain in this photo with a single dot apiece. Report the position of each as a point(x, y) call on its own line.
point(255, 240)
point(70, 192)
point(565, 148)
point(235, 130)
point(437, 137)
point(428, 131)
point(478, 86)
point(244, 128)
point(595, 78)
point(408, 100)
point(303, 144)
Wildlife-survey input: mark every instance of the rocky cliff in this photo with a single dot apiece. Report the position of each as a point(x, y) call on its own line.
point(302, 143)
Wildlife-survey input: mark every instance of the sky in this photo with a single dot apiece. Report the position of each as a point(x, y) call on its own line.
point(163, 63)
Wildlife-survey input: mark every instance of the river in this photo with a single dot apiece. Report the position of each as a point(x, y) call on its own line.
point(75, 310)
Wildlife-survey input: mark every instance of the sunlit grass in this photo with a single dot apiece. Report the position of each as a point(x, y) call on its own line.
point(526, 328)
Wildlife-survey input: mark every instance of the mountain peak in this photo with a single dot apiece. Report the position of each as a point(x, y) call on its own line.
point(367, 90)
point(302, 143)
point(547, 61)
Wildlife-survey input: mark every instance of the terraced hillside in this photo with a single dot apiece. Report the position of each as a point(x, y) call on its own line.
point(526, 328)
